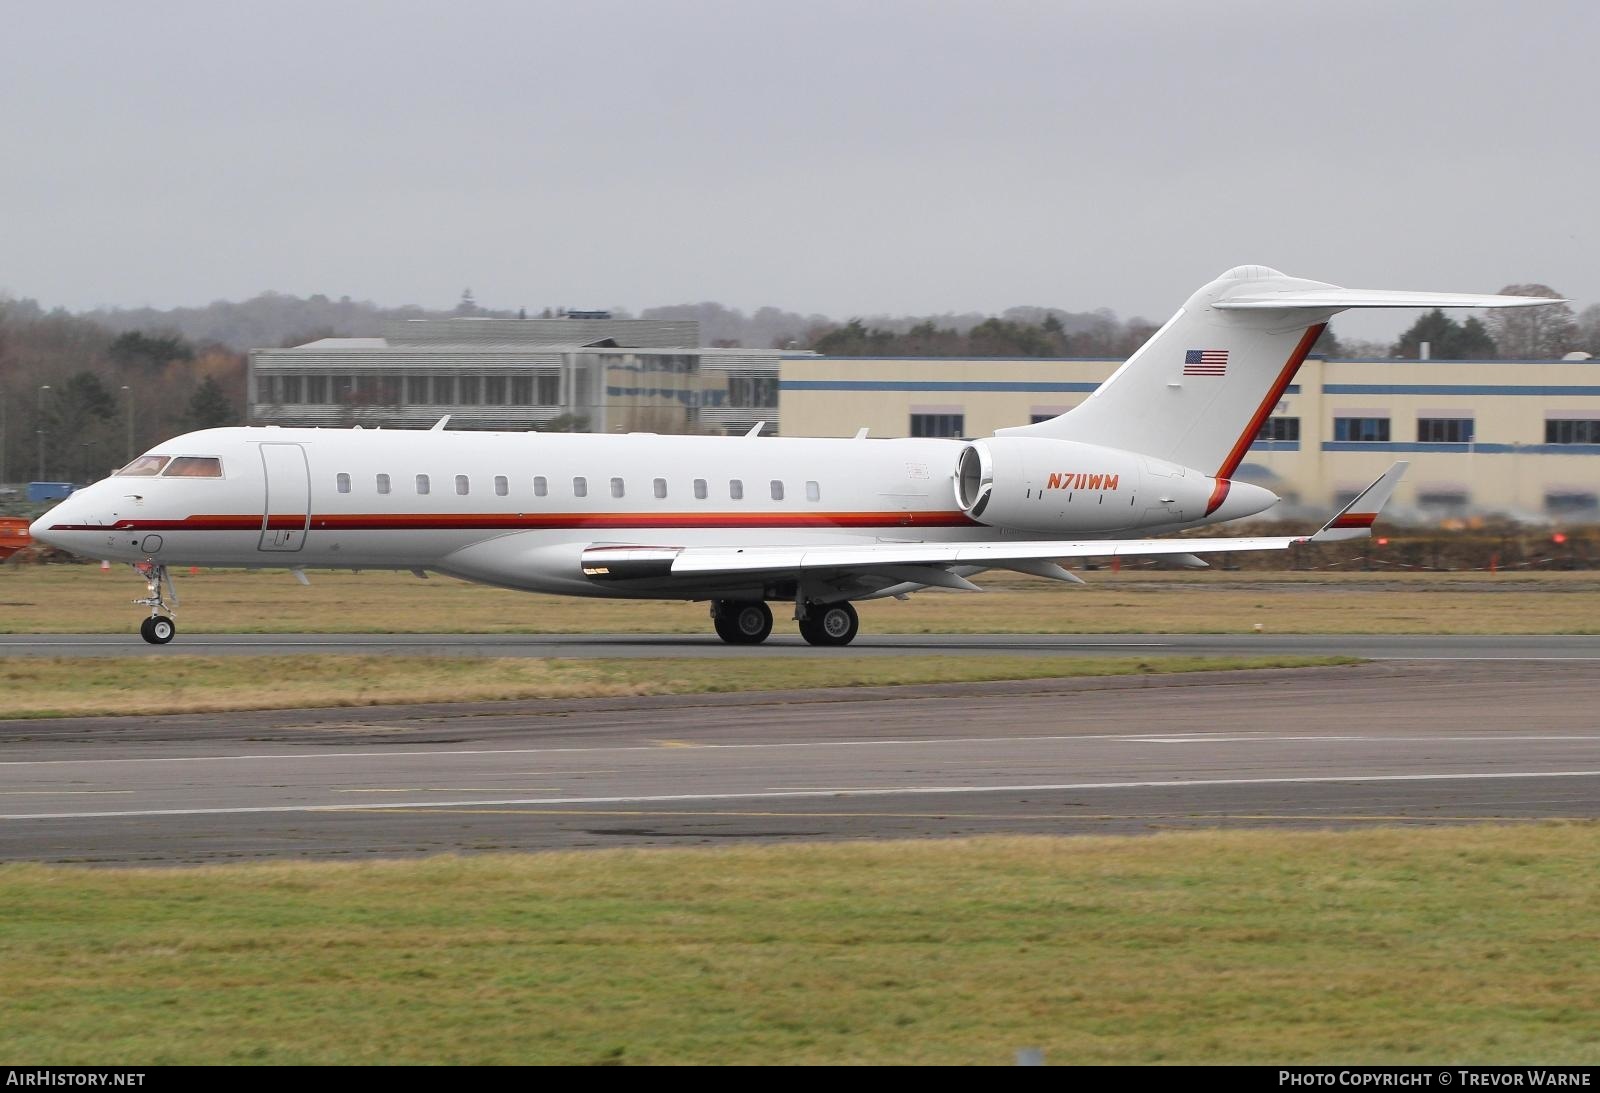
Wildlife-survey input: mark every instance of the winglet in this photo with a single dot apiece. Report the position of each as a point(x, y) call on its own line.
point(1354, 521)
point(438, 426)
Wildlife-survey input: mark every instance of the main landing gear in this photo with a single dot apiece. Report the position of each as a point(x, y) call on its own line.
point(741, 622)
point(830, 624)
point(159, 628)
point(748, 622)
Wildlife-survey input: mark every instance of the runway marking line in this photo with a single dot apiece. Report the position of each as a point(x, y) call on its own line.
point(454, 789)
point(997, 741)
point(886, 791)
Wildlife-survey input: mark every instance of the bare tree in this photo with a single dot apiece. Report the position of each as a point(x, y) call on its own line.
point(1533, 333)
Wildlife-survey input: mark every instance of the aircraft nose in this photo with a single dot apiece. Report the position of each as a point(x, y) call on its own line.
point(40, 532)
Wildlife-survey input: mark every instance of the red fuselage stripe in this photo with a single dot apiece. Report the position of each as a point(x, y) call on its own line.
point(1354, 520)
point(490, 521)
point(1264, 411)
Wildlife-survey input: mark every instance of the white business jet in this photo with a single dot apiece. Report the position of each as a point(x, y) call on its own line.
point(744, 521)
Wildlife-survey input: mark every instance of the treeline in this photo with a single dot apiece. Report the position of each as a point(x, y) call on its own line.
point(77, 398)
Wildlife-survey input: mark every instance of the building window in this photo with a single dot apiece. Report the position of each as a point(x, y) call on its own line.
point(617, 488)
point(422, 484)
point(293, 390)
point(383, 483)
point(1571, 502)
point(736, 489)
point(777, 490)
point(417, 390)
point(549, 389)
point(938, 425)
point(470, 391)
point(343, 481)
point(1572, 432)
point(316, 390)
point(463, 487)
point(580, 487)
point(494, 390)
point(661, 488)
point(541, 486)
point(502, 486)
point(700, 489)
point(1443, 499)
point(1365, 430)
point(754, 392)
point(521, 390)
point(1444, 430)
point(1280, 428)
point(444, 390)
point(813, 492)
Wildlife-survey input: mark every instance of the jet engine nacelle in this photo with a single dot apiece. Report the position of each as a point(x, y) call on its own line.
point(1066, 488)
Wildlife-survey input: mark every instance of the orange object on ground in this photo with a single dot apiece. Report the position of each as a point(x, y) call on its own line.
point(13, 536)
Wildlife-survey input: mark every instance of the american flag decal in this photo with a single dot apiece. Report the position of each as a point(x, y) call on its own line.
point(1205, 362)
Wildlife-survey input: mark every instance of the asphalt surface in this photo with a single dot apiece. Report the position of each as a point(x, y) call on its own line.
point(1374, 646)
point(1392, 742)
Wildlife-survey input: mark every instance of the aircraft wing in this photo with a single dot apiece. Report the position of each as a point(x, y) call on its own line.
point(938, 563)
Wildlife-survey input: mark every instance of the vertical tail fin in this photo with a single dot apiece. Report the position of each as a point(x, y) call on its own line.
point(1199, 390)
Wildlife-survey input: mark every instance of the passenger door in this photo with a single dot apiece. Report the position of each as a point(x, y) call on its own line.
point(286, 511)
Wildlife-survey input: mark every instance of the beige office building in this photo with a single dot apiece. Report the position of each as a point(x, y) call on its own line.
point(1515, 437)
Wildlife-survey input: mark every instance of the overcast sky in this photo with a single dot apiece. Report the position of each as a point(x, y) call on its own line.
point(852, 157)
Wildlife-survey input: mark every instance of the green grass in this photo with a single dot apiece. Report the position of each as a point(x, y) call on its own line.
point(75, 686)
point(1380, 946)
point(84, 599)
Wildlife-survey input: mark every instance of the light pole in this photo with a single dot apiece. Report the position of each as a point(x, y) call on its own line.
point(39, 425)
point(129, 391)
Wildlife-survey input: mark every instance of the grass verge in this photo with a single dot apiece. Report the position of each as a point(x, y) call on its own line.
point(76, 686)
point(1379, 946)
point(85, 600)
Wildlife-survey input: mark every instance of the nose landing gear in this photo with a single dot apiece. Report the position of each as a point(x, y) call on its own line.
point(160, 627)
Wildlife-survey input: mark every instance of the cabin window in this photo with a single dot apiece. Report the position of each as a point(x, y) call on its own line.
point(616, 487)
point(146, 466)
point(422, 484)
point(541, 486)
point(463, 487)
point(502, 486)
point(777, 490)
point(699, 489)
point(343, 482)
point(813, 491)
point(661, 488)
point(580, 487)
point(194, 466)
point(383, 483)
point(736, 489)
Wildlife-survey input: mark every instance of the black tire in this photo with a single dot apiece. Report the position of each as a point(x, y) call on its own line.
point(832, 624)
point(158, 630)
point(744, 622)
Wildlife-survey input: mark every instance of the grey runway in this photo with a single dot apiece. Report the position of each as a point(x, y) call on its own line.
point(1375, 646)
point(1423, 742)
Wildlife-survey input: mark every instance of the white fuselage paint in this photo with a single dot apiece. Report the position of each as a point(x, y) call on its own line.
point(310, 498)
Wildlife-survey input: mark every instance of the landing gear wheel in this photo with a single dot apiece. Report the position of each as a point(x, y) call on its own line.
point(158, 630)
point(834, 624)
point(744, 623)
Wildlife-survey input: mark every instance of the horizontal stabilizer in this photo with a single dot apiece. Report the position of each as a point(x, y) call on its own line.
point(1332, 297)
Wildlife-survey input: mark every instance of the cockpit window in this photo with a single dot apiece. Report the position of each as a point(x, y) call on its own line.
point(194, 466)
point(146, 466)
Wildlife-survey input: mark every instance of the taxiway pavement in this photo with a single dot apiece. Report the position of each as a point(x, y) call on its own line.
point(1408, 741)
